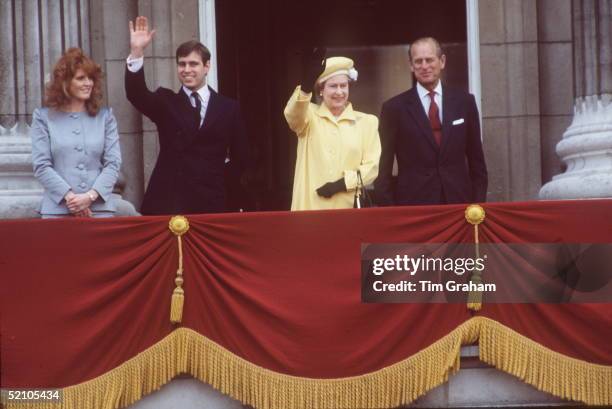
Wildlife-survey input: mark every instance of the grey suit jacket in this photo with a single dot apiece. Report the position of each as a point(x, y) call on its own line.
point(75, 151)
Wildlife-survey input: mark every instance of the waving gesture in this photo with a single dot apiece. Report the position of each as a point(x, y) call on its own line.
point(313, 65)
point(140, 36)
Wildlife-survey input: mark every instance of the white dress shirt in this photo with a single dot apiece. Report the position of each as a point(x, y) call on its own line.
point(426, 100)
point(204, 95)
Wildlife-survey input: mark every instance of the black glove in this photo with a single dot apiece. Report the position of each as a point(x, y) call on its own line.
point(331, 188)
point(313, 65)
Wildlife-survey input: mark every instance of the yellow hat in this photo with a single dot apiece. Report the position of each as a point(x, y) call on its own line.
point(336, 66)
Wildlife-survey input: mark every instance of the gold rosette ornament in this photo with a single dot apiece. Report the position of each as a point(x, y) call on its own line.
point(178, 225)
point(474, 215)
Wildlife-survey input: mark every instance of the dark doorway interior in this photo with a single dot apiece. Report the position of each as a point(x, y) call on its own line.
point(259, 45)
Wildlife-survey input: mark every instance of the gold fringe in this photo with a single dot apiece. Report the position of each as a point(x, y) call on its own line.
point(186, 351)
point(545, 369)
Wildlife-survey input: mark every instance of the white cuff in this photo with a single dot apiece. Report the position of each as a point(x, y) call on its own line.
point(134, 64)
point(350, 179)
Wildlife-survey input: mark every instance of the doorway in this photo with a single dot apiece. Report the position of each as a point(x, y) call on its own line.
point(259, 46)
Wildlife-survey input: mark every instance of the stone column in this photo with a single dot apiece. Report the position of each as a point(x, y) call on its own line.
point(110, 43)
point(32, 36)
point(586, 147)
point(556, 79)
point(510, 98)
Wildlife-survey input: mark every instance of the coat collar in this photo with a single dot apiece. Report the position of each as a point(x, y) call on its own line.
point(449, 114)
point(185, 112)
point(212, 111)
point(184, 105)
point(204, 93)
point(348, 113)
point(415, 107)
point(423, 92)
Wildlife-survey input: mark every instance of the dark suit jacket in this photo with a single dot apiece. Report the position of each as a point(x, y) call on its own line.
point(455, 172)
point(189, 173)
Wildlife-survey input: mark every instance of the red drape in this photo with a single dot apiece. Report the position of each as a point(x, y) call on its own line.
point(582, 331)
point(281, 290)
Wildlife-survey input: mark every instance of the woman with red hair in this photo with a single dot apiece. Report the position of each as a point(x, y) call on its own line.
point(75, 144)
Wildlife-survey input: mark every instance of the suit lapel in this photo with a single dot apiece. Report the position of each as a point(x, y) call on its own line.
point(212, 110)
point(415, 107)
point(184, 115)
point(448, 112)
point(185, 111)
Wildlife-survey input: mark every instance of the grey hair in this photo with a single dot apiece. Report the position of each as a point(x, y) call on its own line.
point(432, 40)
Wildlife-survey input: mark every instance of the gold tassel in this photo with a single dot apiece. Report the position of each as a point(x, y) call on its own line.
point(474, 301)
point(475, 214)
point(178, 225)
point(178, 299)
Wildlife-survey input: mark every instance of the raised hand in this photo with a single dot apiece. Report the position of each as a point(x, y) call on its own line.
point(317, 57)
point(313, 64)
point(140, 36)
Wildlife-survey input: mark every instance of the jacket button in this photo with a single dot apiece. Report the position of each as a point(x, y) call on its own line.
point(82, 185)
point(76, 131)
point(81, 166)
point(78, 148)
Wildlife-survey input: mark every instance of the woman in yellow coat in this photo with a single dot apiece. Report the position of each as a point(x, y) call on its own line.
point(334, 141)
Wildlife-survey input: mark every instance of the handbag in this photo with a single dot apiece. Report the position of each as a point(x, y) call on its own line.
point(362, 198)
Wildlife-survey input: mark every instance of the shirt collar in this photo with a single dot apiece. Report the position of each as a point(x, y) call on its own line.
point(204, 92)
point(423, 92)
point(347, 114)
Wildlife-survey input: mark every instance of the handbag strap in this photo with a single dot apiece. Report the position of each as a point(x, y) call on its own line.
point(361, 195)
point(359, 180)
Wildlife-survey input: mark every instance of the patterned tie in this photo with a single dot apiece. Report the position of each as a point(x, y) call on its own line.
point(198, 108)
point(434, 118)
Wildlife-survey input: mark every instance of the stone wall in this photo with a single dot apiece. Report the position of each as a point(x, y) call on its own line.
point(510, 98)
point(33, 36)
point(556, 79)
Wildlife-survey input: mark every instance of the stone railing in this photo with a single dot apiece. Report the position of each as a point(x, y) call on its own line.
point(20, 192)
